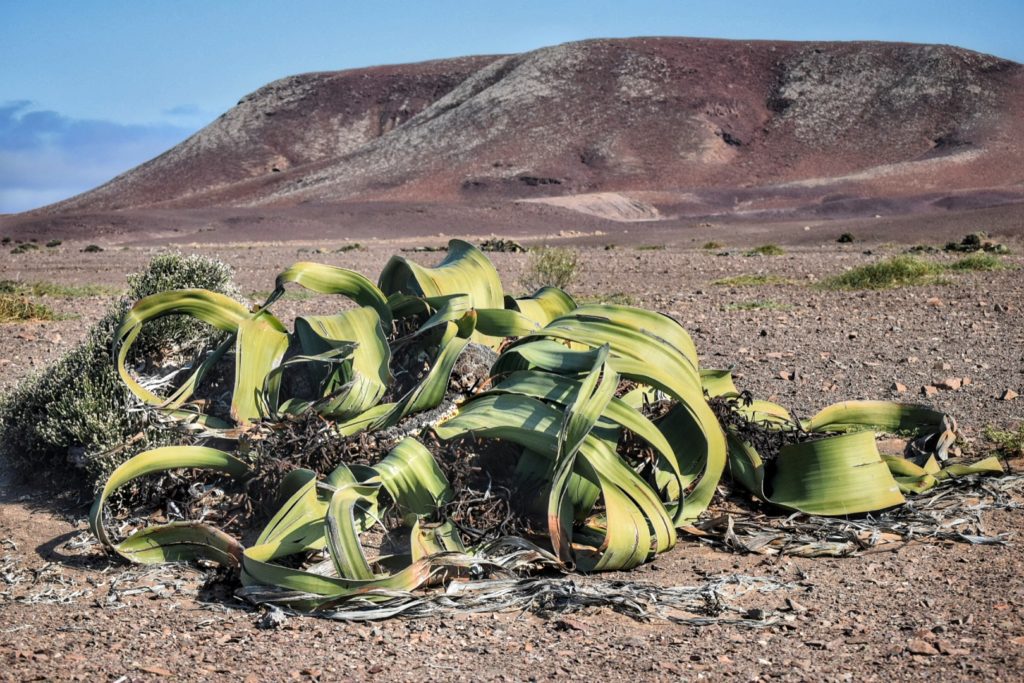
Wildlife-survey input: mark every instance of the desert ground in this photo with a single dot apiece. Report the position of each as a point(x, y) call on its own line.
point(902, 611)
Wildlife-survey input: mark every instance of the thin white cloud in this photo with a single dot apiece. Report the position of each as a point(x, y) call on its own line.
point(46, 156)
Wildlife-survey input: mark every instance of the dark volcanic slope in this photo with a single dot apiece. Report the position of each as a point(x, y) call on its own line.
point(681, 124)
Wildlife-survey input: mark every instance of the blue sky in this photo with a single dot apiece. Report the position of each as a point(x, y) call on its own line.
point(90, 89)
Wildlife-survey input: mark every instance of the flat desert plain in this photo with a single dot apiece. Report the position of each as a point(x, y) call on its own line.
point(899, 611)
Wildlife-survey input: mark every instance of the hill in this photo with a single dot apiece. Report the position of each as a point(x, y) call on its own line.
point(646, 129)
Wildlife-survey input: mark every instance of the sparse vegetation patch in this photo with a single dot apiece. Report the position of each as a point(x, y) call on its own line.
point(977, 241)
point(53, 289)
point(550, 266)
point(751, 280)
point(766, 250)
point(1009, 442)
point(898, 271)
point(978, 261)
point(15, 308)
point(25, 247)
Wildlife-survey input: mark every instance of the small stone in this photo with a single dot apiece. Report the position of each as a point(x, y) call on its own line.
point(917, 646)
point(1009, 395)
point(950, 384)
point(942, 366)
point(794, 605)
point(852, 335)
point(899, 388)
point(947, 648)
point(929, 390)
point(935, 302)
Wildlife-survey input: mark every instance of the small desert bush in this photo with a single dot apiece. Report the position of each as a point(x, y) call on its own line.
point(979, 260)
point(766, 250)
point(25, 247)
point(898, 271)
point(54, 243)
point(751, 280)
point(92, 249)
point(78, 410)
point(651, 247)
point(1009, 442)
point(712, 245)
point(845, 238)
point(15, 308)
point(554, 266)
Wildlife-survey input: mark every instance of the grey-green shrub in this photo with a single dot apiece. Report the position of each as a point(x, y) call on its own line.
point(554, 266)
point(67, 418)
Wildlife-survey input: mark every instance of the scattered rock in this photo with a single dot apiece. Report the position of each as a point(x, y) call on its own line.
point(935, 302)
point(918, 646)
point(929, 390)
point(568, 625)
point(795, 606)
point(950, 384)
point(1009, 395)
point(898, 388)
point(273, 618)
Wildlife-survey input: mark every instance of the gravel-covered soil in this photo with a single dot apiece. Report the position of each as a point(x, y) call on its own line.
point(905, 611)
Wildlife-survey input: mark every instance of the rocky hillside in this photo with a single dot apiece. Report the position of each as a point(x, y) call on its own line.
point(638, 129)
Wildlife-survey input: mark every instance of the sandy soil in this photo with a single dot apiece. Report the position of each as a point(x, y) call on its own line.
point(911, 612)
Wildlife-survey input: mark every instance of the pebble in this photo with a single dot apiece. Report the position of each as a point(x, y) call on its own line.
point(918, 646)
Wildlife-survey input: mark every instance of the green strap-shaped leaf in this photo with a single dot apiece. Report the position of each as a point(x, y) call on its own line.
point(652, 349)
point(543, 306)
point(465, 270)
point(212, 308)
point(638, 512)
point(178, 541)
point(324, 279)
point(499, 322)
point(342, 534)
point(259, 347)
point(883, 415)
point(365, 377)
point(551, 387)
point(839, 475)
point(427, 540)
point(412, 478)
point(591, 397)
